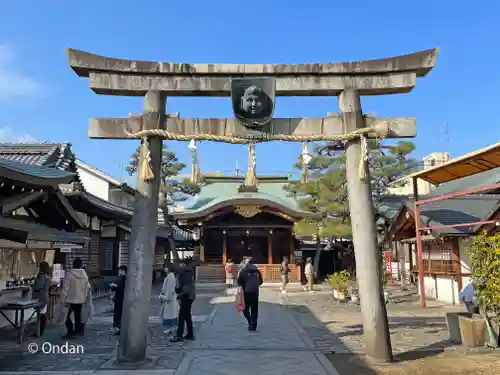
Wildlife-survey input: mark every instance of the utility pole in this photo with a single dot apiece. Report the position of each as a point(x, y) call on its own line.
point(368, 270)
point(134, 327)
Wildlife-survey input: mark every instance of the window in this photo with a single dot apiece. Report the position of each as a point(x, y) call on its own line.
point(438, 258)
point(107, 255)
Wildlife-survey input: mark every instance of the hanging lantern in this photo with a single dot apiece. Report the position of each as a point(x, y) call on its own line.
point(192, 145)
point(196, 234)
point(306, 157)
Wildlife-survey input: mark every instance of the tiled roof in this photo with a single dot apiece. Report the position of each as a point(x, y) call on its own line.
point(40, 232)
point(56, 155)
point(81, 199)
point(53, 155)
point(35, 170)
point(485, 178)
point(219, 189)
point(460, 210)
point(390, 205)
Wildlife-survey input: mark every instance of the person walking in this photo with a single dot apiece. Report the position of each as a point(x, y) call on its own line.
point(40, 291)
point(284, 271)
point(250, 280)
point(74, 294)
point(309, 273)
point(185, 290)
point(468, 298)
point(119, 295)
point(169, 304)
point(229, 269)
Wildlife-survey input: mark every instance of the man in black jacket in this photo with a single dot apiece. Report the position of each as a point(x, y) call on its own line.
point(119, 289)
point(250, 280)
point(186, 292)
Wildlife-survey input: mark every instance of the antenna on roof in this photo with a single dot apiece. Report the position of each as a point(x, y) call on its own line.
point(444, 130)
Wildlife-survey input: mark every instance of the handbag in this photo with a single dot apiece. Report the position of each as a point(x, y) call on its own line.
point(240, 301)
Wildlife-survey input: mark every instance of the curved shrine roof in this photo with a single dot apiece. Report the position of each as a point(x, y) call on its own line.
point(223, 190)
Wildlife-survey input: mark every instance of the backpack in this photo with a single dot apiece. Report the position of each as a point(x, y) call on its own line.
point(252, 281)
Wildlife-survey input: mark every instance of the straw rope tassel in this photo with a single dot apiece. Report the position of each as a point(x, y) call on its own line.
point(363, 158)
point(145, 170)
point(251, 178)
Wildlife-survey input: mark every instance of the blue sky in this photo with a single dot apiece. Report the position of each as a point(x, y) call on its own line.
point(41, 98)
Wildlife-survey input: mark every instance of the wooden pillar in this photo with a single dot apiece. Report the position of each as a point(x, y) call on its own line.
point(270, 247)
point(420, 257)
point(292, 249)
point(202, 251)
point(368, 270)
point(224, 247)
point(457, 263)
point(402, 263)
point(134, 328)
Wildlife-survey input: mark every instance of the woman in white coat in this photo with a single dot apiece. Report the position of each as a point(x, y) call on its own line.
point(169, 304)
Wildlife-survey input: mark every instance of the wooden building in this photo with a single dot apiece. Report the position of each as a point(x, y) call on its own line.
point(37, 224)
point(233, 224)
point(445, 260)
point(35, 218)
point(465, 200)
point(102, 204)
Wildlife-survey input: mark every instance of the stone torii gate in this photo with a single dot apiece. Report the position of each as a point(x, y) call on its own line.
point(158, 80)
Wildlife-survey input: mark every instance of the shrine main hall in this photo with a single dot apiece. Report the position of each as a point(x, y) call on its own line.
point(230, 222)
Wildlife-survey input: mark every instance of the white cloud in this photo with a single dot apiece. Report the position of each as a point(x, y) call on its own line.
point(7, 135)
point(13, 83)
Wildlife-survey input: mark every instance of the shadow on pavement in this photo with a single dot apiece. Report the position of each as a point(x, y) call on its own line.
point(348, 362)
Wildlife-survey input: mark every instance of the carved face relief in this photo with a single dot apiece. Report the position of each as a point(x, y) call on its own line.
point(253, 101)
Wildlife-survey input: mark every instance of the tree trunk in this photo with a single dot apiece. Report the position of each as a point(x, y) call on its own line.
point(317, 256)
point(172, 254)
point(402, 265)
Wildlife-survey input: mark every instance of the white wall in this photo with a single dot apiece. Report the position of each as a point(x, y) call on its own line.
point(424, 187)
point(442, 289)
point(94, 184)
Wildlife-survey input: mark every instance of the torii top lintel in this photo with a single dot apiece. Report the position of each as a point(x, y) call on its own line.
point(111, 76)
point(420, 63)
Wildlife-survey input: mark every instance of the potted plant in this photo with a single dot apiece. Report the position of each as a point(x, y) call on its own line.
point(333, 281)
point(343, 284)
point(484, 255)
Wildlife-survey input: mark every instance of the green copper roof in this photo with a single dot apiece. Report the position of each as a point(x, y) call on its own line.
point(224, 188)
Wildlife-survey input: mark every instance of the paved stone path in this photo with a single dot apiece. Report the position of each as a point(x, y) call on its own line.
point(337, 327)
point(99, 345)
point(280, 346)
point(293, 333)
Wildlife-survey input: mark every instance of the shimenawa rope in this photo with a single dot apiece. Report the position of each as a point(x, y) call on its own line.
point(147, 173)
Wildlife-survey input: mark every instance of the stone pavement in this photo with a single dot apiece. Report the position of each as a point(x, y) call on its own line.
point(97, 349)
point(295, 331)
point(337, 327)
point(280, 346)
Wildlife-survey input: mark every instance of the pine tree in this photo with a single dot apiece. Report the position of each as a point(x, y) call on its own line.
point(325, 193)
point(171, 190)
